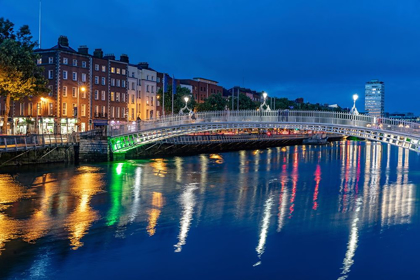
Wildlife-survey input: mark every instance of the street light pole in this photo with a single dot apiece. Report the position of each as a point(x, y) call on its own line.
point(353, 110)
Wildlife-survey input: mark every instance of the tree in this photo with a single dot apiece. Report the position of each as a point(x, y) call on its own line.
point(215, 102)
point(19, 75)
point(179, 101)
point(245, 103)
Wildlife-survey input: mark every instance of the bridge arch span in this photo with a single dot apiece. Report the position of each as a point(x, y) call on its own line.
point(399, 133)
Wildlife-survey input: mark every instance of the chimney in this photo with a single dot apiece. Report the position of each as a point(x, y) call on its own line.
point(63, 41)
point(110, 56)
point(98, 53)
point(83, 49)
point(144, 65)
point(124, 58)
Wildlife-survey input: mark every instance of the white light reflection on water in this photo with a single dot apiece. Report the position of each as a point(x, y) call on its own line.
point(188, 202)
point(264, 228)
point(352, 244)
point(136, 193)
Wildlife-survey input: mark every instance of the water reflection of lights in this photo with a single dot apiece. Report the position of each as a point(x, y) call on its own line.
point(136, 193)
point(157, 202)
point(264, 228)
point(217, 157)
point(10, 191)
point(84, 186)
point(119, 168)
point(9, 229)
point(352, 244)
point(159, 167)
point(295, 177)
point(316, 191)
point(188, 202)
point(282, 198)
point(398, 198)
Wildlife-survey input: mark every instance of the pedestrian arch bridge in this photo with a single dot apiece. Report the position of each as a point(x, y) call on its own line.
point(124, 137)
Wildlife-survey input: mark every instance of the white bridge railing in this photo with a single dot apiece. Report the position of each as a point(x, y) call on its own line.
point(278, 117)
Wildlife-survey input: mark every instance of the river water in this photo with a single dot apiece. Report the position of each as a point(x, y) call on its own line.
point(348, 210)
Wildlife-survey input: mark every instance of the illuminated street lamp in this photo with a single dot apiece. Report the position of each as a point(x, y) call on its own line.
point(353, 110)
point(181, 112)
point(267, 107)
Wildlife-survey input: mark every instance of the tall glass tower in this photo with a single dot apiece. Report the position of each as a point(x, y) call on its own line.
point(375, 98)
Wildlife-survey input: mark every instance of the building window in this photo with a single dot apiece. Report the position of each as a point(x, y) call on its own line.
point(84, 64)
point(132, 74)
point(147, 88)
point(96, 67)
point(74, 62)
point(65, 60)
point(118, 83)
point(158, 79)
point(64, 91)
point(132, 99)
point(64, 75)
point(96, 80)
point(123, 83)
point(118, 97)
point(29, 108)
point(83, 111)
point(51, 60)
point(50, 93)
point(21, 109)
point(153, 78)
point(103, 68)
point(103, 81)
point(74, 92)
point(153, 89)
point(103, 95)
point(112, 82)
point(38, 108)
point(112, 96)
point(132, 113)
point(112, 69)
point(118, 70)
point(74, 76)
point(103, 111)
point(123, 113)
point(39, 61)
point(96, 111)
point(123, 96)
point(151, 101)
point(50, 74)
point(83, 77)
point(96, 94)
point(75, 110)
point(132, 85)
point(123, 71)
point(112, 112)
point(147, 77)
point(83, 94)
point(118, 112)
point(64, 109)
point(50, 109)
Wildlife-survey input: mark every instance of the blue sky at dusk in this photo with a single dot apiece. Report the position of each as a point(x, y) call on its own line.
point(323, 51)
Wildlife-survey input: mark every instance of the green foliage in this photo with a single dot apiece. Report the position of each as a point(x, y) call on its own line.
point(215, 102)
point(245, 103)
point(19, 74)
point(179, 101)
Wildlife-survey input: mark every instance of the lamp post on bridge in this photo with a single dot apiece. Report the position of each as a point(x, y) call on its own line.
point(267, 107)
point(353, 110)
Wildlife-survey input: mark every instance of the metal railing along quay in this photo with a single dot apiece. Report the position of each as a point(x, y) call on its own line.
point(9, 143)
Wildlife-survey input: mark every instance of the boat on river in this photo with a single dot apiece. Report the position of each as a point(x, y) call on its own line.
point(317, 139)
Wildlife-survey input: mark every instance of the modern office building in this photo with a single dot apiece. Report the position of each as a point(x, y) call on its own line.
point(375, 98)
